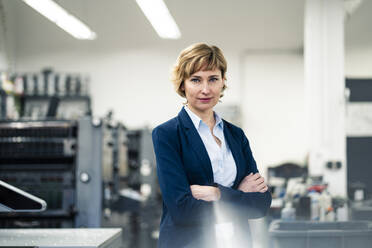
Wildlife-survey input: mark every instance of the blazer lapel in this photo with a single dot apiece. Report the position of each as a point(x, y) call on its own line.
point(196, 144)
point(236, 152)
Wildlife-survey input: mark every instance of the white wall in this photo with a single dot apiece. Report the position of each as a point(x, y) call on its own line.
point(3, 55)
point(7, 32)
point(358, 62)
point(273, 106)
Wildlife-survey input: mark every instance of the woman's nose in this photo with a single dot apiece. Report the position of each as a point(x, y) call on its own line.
point(205, 88)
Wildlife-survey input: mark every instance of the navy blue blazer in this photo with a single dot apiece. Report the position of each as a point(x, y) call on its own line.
point(182, 160)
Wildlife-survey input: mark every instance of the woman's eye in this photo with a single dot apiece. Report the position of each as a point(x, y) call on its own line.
point(195, 80)
point(213, 79)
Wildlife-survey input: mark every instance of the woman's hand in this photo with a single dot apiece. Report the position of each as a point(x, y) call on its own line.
point(253, 183)
point(205, 193)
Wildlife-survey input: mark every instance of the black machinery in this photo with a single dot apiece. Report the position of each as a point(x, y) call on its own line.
point(68, 163)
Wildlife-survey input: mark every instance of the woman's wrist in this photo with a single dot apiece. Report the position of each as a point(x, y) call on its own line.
point(218, 194)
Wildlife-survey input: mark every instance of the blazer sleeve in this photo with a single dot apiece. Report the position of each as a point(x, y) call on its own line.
point(239, 204)
point(183, 208)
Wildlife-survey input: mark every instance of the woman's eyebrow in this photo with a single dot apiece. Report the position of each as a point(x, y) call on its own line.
point(195, 76)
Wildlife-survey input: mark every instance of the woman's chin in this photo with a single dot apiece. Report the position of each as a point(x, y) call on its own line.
point(204, 107)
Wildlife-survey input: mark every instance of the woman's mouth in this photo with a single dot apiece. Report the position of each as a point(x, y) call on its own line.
point(205, 100)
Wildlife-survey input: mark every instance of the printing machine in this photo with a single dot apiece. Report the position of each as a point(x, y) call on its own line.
point(120, 156)
point(68, 163)
point(142, 165)
point(15, 200)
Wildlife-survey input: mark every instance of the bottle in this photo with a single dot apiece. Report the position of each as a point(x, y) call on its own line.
point(288, 213)
point(330, 214)
point(325, 202)
point(314, 208)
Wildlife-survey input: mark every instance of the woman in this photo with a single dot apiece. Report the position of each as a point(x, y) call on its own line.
point(206, 171)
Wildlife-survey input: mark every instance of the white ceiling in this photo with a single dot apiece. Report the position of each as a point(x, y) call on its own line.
point(236, 25)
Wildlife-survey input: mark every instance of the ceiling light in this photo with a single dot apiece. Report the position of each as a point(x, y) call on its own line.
point(162, 21)
point(62, 18)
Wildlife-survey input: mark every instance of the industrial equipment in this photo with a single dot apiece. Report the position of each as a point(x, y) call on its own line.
point(141, 159)
point(68, 163)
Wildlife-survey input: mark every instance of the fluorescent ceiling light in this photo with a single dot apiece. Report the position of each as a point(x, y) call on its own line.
point(162, 21)
point(62, 18)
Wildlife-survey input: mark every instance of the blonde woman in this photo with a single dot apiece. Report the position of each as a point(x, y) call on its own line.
point(205, 167)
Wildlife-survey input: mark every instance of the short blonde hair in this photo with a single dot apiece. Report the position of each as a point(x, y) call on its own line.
point(194, 58)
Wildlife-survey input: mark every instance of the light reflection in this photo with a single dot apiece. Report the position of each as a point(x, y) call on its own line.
point(226, 231)
point(224, 234)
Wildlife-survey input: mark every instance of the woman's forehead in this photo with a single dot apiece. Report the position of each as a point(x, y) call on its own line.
point(205, 72)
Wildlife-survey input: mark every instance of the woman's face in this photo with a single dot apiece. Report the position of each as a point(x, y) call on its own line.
point(203, 89)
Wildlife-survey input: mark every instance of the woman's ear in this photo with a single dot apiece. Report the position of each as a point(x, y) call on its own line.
point(224, 84)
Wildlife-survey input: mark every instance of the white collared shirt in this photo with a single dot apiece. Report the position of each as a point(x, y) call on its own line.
point(222, 160)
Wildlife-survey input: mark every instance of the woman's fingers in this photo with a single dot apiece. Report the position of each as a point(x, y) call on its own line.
point(194, 187)
point(264, 189)
point(253, 177)
point(253, 183)
point(261, 187)
point(195, 191)
point(259, 180)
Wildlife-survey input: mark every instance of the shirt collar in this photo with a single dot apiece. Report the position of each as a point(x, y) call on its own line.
point(218, 120)
point(196, 120)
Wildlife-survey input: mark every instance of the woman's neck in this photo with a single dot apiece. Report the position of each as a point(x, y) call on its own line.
point(206, 116)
